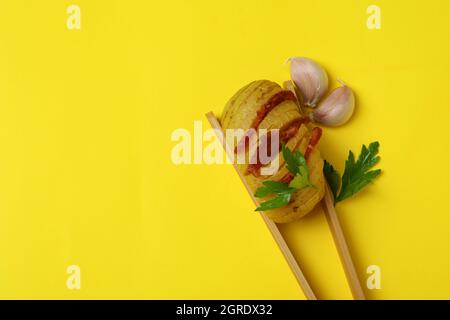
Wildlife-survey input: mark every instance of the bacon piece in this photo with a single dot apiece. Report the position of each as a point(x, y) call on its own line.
point(292, 129)
point(273, 101)
point(313, 141)
point(285, 134)
point(287, 178)
point(254, 169)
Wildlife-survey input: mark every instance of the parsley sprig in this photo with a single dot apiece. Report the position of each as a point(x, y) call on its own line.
point(357, 174)
point(282, 192)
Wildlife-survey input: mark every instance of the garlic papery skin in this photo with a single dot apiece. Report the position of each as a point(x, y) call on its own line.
point(336, 109)
point(310, 78)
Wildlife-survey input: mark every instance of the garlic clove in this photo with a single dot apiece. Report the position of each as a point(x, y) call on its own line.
point(310, 78)
point(290, 85)
point(336, 109)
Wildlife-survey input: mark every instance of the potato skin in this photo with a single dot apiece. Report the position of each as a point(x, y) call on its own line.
point(240, 112)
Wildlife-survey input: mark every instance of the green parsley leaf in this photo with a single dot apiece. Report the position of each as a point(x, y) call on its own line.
point(293, 161)
point(272, 187)
point(356, 174)
point(333, 177)
point(279, 201)
point(296, 164)
point(301, 179)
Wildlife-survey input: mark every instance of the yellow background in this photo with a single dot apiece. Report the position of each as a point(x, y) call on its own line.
point(85, 171)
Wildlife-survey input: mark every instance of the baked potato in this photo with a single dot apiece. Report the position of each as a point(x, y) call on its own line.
point(264, 104)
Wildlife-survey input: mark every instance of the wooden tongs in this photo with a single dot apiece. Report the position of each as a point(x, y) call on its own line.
point(333, 222)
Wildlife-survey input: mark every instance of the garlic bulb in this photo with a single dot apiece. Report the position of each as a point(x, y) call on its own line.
point(311, 80)
point(335, 109)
